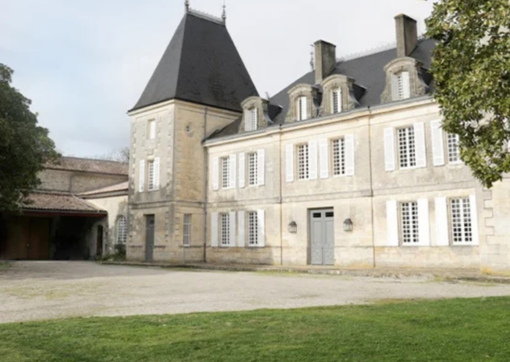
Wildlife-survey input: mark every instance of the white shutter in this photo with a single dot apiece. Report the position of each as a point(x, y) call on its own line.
point(289, 163)
point(216, 173)
point(141, 177)
point(436, 133)
point(394, 87)
point(233, 170)
point(339, 100)
point(389, 149)
point(474, 219)
point(312, 159)
point(241, 218)
point(442, 233)
point(324, 157)
point(406, 85)
point(423, 222)
point(261, 221)
point(349, 155)
point(392, 223)
point(157, 173)
point(242, 170)
point(232, 220)
point(261, 167)
point(419, 139)
point(214, 229)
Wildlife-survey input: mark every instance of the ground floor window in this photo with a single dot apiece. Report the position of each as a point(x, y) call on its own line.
point(460, 219)
point(225, 229)
point(409, 223)
point(186, 241)
point(121, 230)
point(253, 225)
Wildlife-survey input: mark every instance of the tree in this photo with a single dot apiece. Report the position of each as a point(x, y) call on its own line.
point(471, 69)
point(24, 146)
point(119, 155)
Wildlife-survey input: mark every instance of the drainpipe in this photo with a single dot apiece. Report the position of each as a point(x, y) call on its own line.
point(281, 198)
point(206, 182)
point(371, 181)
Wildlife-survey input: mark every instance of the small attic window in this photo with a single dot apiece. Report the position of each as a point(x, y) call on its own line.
point(301, 108)
point(251, 119)
point(401, 87)
point(336, 101)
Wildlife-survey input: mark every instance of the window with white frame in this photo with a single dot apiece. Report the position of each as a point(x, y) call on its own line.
point(152, 129)
point(302, 112)
point(406, 147)
point(336, 100)
point(121, 230)
point(453, 148)
point(225, 172)
point(401, 87)
point(225, 229)
point(150, 175)
point(409, 223)
point(338, 149)
point(186, 234)
point(303, 169)
point(251, 120)
point(253, 226)
point(252, 169)
point(460, 219)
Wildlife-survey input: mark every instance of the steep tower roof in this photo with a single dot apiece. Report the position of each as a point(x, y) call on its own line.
point(200, 65)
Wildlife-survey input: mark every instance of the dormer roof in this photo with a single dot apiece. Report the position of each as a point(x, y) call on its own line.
point(200, 65)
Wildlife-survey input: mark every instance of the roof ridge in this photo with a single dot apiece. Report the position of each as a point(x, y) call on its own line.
point(93, 159)
point(206, 16)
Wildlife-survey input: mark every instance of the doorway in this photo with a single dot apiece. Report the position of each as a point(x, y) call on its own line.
point(149, 238)
point(322, 237)
point(99, 244)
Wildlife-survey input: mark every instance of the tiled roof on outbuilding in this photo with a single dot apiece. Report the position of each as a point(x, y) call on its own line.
point(121, 188)
point(89, 165)
point(60, 202)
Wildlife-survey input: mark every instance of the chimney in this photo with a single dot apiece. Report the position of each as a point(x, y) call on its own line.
point(407, 35)
point(325, 60)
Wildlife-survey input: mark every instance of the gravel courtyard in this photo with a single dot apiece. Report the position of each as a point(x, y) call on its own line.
point(47, 290)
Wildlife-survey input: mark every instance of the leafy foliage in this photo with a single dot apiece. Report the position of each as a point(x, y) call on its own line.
point(24, 146)
point(471, 68)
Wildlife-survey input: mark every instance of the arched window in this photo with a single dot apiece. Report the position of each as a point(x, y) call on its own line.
point(121, 230)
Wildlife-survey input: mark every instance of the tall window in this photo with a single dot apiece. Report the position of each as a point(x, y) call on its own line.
point(253, 226)
point(186, 235)
point(225, 230)
point(338, 157)
point(121, 230)
point(406, 147)
point(303, 169)
point(409, 222)
point(453, 148)
point(225, 172)
point(462, 231)
point(251, 120)
point(150, 175)
point(152, 129)
point(252, 169)
point(302, 112)
point(336, 101)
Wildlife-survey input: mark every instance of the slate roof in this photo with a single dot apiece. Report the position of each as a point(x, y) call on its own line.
point(60, 202)
point(367, 72)
point(200, 65)
point(88, 165)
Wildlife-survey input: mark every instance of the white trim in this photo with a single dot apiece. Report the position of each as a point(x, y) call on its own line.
point(442, 233)
point(436, 133)
point(312, 160)
point(242, 170)
point(324, 157)
point(261, 167)
point(349, 155)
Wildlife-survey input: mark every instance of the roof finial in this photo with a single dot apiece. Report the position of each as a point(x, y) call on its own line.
point(224, 15)
point(186, 5)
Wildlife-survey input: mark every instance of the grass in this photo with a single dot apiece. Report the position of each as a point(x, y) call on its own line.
point(447, 330)
point(4, 265)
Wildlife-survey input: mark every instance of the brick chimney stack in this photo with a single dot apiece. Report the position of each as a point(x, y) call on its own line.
point(325, 60)
point(407, 35)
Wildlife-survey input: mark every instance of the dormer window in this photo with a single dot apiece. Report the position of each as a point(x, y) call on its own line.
point(251, 121)
point(336, 101)
point(302, 109)
point(401, 88)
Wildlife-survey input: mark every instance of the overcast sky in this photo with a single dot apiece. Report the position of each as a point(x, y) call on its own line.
point(84, 63)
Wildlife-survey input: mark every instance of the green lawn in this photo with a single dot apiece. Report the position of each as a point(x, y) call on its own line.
point(4, 265)
point(450, 330)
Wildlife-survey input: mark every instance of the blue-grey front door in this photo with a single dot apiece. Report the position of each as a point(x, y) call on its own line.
point(322, 237)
